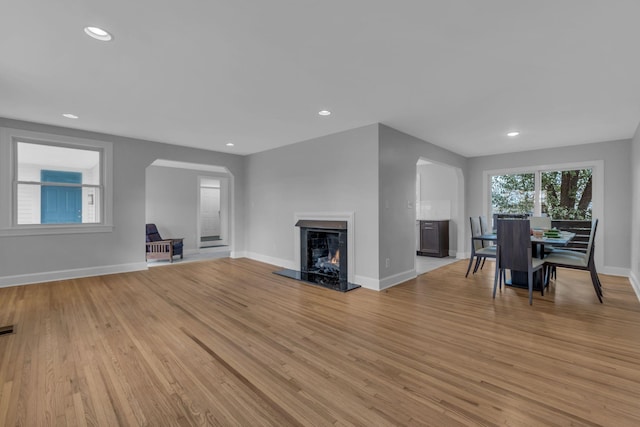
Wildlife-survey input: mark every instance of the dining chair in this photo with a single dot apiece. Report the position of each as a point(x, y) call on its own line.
point(484, 225)
point(578, 261)
point(478, 252)
point(514, 253)
point(543, 223)
point(485, 229)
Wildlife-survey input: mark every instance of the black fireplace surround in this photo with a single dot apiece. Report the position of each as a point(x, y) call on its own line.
point(323, 255)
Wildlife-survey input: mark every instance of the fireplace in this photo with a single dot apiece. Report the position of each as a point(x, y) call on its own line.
point(323, 255)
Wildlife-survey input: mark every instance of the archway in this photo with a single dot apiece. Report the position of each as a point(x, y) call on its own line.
point(440, 196)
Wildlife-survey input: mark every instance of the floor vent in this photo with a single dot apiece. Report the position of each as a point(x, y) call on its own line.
point(4, 330)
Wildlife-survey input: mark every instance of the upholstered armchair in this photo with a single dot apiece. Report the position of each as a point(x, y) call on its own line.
point(159, 248)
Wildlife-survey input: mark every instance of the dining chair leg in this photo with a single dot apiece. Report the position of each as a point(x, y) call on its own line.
point(498, 273)
point(469, 267)
point(594, 281)
point(595, 273)
point(475, 269)
point(483, 260)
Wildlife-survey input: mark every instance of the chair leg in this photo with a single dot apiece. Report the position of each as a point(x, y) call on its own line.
point(478, 261)
point(595, 281)
point(550, 273)
point(469, 267)
point(530, 282)
point(483, 260)
point(598, 280)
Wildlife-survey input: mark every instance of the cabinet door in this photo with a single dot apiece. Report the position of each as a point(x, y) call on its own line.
point(434, 238)
point(429, 237)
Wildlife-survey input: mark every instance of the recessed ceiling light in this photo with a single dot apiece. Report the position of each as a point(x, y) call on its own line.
point(324, 113)
point(70, 116)
point(98, 33)
point(514, 133)
point(230, 144)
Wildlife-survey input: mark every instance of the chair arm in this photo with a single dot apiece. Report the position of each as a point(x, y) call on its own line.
point(176, 239)
point(160, 246)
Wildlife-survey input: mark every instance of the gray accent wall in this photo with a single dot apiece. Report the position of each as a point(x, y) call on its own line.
point(24, 259)
point(613, 230)
point(635, 212)
point(334, 173)
point(399, 154)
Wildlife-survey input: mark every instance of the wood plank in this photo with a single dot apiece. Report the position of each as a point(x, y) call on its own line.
point(226, 342)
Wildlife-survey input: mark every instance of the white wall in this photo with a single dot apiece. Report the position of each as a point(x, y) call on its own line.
point(613, 230)
point(399, 154)
point(28, 259)
point(635, 212)
point(335, 173)
point(439, 197)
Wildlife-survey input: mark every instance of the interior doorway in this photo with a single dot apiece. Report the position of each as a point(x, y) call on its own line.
point(439, 197)
point(213, 211)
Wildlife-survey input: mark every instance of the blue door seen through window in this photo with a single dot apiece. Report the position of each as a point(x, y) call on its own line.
point(60, 204)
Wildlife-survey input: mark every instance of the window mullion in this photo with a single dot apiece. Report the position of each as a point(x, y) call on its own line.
point(537, 204)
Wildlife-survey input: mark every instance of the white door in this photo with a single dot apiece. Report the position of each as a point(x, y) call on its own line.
point(210, 212)
point(213, 212)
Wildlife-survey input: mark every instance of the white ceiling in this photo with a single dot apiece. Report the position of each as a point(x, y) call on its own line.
point(457, 73)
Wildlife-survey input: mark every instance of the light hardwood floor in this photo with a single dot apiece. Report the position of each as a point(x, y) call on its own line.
point(226, 342)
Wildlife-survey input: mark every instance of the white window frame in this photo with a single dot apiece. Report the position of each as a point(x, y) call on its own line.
point(597, 201)
point(8, 183)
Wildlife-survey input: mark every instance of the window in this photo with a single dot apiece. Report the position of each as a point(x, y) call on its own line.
point(567, 194)
point(560, 194)
point(513, 194)
point(57, 185)
point(54, 184)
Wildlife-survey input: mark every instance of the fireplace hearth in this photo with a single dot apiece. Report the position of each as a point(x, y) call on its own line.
point(323, 255)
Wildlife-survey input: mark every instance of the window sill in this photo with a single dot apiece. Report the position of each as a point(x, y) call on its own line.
point(40, 230)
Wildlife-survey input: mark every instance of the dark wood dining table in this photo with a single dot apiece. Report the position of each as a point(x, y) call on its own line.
point(519, 278)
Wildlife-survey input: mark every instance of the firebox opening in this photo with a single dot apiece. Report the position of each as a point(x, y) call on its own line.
point(324, 254)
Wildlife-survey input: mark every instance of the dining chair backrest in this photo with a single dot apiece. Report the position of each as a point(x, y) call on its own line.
point(484, 225)
point(476, 231)
point(540, 222)
point(592, 237)
point(514, 241)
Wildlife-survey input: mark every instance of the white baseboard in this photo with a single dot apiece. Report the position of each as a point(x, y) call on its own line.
point(367, 282)
point(462, 255)
point(238, 254)
point(615, 271)
point(396, 279)
point(635, 284)
point(49, 276)
point(284, 263)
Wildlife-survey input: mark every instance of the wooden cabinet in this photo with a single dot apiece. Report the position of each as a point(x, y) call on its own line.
point(434, 238)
